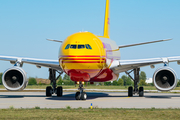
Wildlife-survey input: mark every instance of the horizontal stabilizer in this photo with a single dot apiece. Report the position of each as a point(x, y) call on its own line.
point(123, 46)
point(55, 40)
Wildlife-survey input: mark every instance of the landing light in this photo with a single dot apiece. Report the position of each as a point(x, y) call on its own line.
point(152, 66)
point(38, 66)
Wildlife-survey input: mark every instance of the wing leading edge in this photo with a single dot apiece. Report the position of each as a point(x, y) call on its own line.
point(54, 64)
point(130, 45)
point(119, 66)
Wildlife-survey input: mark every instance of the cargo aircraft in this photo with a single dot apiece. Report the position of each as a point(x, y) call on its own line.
point(86, 57)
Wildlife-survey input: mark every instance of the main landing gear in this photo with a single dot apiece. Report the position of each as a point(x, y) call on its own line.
point(80, 95)
point(139, 91)
point(51, 90)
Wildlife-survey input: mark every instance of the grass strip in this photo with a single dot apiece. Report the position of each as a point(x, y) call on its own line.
point(90, 114)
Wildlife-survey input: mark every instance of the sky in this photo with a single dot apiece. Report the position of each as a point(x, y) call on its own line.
point(25, 25)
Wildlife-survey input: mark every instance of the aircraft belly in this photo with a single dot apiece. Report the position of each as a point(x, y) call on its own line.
point(105, 75)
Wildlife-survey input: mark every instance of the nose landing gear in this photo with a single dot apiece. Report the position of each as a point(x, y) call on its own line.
point(81, 95)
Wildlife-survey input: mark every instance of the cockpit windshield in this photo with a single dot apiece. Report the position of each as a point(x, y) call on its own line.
point(73, 46)
point(80, 46)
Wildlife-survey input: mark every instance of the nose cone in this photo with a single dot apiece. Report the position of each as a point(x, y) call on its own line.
point(81, 56)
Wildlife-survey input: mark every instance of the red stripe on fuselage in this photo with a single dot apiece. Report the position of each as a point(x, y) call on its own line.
point(83, 61)
point(81, 56)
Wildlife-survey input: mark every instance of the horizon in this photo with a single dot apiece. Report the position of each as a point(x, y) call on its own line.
point(25, 25)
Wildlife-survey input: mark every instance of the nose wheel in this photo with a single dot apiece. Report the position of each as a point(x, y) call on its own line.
point(81, 95)
point(77, 96)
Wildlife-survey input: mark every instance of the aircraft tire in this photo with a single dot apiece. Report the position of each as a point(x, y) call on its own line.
point(59, 91)
point(48, 91)
point(130, 91)
point(77, 96)
point(83, 96)
point(141, 91)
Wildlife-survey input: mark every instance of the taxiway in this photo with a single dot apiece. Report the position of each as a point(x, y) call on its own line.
point(98, 100)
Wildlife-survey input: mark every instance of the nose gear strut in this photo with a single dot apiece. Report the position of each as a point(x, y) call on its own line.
point(80, 95)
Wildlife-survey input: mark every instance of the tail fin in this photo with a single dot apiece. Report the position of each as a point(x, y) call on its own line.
point(106, 21)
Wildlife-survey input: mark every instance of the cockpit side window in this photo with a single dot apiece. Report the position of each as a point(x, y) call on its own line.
point(73, 46)
point(67, 47)
point(88, 46)
point(81, 46)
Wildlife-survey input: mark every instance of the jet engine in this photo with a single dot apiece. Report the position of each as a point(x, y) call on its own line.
point(165, 79)
point(14, 79)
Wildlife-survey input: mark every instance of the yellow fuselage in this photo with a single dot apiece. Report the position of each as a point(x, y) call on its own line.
point(83, 56)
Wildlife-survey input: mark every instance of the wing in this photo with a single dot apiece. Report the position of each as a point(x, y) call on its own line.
point(54, 64)
point(54, 40)
point(130, 45)
point(119, 66)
